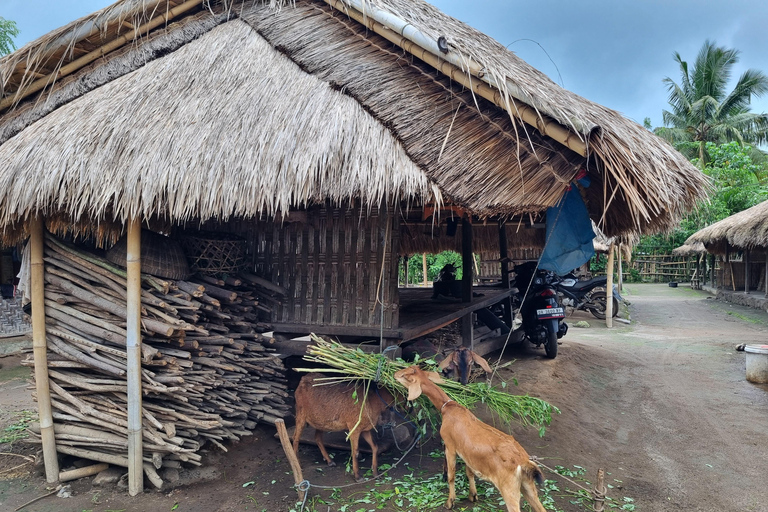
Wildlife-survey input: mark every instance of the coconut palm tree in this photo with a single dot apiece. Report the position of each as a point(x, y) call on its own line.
point(704, 111)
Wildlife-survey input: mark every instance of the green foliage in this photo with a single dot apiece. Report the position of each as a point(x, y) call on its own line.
point(422, 491)
point(740, 180)
point(703, 110)
point(435, 262)
point(598, 263)
point(8, 30)
point(18, 429)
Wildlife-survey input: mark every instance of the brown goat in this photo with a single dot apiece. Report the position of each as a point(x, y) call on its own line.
point(460, 361)
point(487, 452)
point(333, 408)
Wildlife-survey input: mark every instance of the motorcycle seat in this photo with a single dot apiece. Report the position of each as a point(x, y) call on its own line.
point(590, 283)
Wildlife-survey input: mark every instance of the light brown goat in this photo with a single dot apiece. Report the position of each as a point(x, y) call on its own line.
point(336, 407)
point(487, 452)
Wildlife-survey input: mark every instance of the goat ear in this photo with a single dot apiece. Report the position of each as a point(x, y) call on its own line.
point(435, 377)
point(449, 359)
point(482, 362)
point(414, 390)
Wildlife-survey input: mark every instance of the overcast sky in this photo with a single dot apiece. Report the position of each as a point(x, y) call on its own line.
point(613, 52)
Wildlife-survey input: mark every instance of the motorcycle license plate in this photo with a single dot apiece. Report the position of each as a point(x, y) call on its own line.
point(550, 313)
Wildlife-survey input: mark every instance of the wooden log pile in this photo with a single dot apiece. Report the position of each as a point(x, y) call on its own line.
point(207, 372)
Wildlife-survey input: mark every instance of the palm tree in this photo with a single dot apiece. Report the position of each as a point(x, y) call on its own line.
point(702, 109)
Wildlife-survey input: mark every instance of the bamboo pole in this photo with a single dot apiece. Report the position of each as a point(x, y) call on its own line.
point(609, 289)
point(39, 347)
point(74, 474)
point(424, 267)
point(516, 108)
point(621, 275)
point(291, 456)
point(133, 348)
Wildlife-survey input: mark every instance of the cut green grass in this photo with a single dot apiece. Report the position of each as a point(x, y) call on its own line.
point(18, 429)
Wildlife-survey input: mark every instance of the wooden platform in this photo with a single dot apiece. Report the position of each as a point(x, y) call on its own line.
point(419, 315)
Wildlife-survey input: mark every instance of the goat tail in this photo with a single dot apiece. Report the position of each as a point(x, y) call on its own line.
point(531, 471)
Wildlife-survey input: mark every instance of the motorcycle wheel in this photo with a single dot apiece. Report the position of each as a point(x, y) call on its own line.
point(598, 298)
point(550, 347)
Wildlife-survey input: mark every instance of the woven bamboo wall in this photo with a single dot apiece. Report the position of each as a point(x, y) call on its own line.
point(329, 260)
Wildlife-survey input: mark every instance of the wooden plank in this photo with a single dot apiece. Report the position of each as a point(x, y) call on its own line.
point(365, 298)
point(327, 267)
point(318, 222)
point(294, 272)
point(467, 260)
point(443, 314)
point(305, 290)
point(336, 330)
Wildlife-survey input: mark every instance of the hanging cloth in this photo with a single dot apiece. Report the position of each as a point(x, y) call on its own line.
point(569, 235)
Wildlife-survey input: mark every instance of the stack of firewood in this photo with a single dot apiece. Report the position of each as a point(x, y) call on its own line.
point(207, 372)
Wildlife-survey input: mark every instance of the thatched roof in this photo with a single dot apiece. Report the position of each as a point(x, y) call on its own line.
point(689, 249)
point(250, 110)
point(744, 230)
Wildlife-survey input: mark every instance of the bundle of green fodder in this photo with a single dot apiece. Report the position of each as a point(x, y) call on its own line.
point(347, 364)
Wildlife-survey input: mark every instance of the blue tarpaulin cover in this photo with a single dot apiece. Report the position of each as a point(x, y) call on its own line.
point(569, 235)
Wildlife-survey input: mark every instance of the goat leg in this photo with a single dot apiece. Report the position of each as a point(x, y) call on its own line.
point(472, 488)
point(532, 496)
point(450, 463)
point(319, 440)
point(354, 439)
point(374, 450)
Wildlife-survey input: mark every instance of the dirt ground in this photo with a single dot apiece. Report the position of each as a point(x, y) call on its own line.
point(662, 405)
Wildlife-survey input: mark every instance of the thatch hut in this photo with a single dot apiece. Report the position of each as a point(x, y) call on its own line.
point(324, 133)
point(741, 243)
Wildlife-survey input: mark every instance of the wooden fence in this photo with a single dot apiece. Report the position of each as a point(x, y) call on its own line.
point(663, 268)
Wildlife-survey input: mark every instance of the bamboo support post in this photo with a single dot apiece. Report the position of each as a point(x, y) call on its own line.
point(599, 491)
point(621, 275)
point(298, 477)
point(609, 288)
point(39, 347)
point(133, 348)
point(424, 267)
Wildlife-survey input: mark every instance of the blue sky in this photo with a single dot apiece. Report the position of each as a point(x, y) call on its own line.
point(613, 52)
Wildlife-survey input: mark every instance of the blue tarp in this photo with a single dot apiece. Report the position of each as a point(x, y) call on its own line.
point(569, 235)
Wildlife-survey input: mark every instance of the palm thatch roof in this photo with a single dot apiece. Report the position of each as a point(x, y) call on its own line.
point(686, 249)
point(744, 230)
point(207, 110)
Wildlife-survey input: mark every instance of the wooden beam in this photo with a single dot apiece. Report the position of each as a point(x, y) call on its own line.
point(609, 288)
point(466, 260)
point(746, 271)
point(40, 350)
point(504, 259)
point(133, 349)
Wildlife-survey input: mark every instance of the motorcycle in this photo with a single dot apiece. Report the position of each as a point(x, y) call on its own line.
point(540, 311)
point(587, 295)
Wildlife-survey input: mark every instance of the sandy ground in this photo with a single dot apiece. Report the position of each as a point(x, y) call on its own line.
point(662, 405)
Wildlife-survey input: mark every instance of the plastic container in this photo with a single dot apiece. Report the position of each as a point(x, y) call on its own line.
point(757, 363)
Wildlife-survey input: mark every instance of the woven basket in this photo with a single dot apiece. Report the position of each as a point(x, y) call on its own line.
point(160, 256)
point(212, 253)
